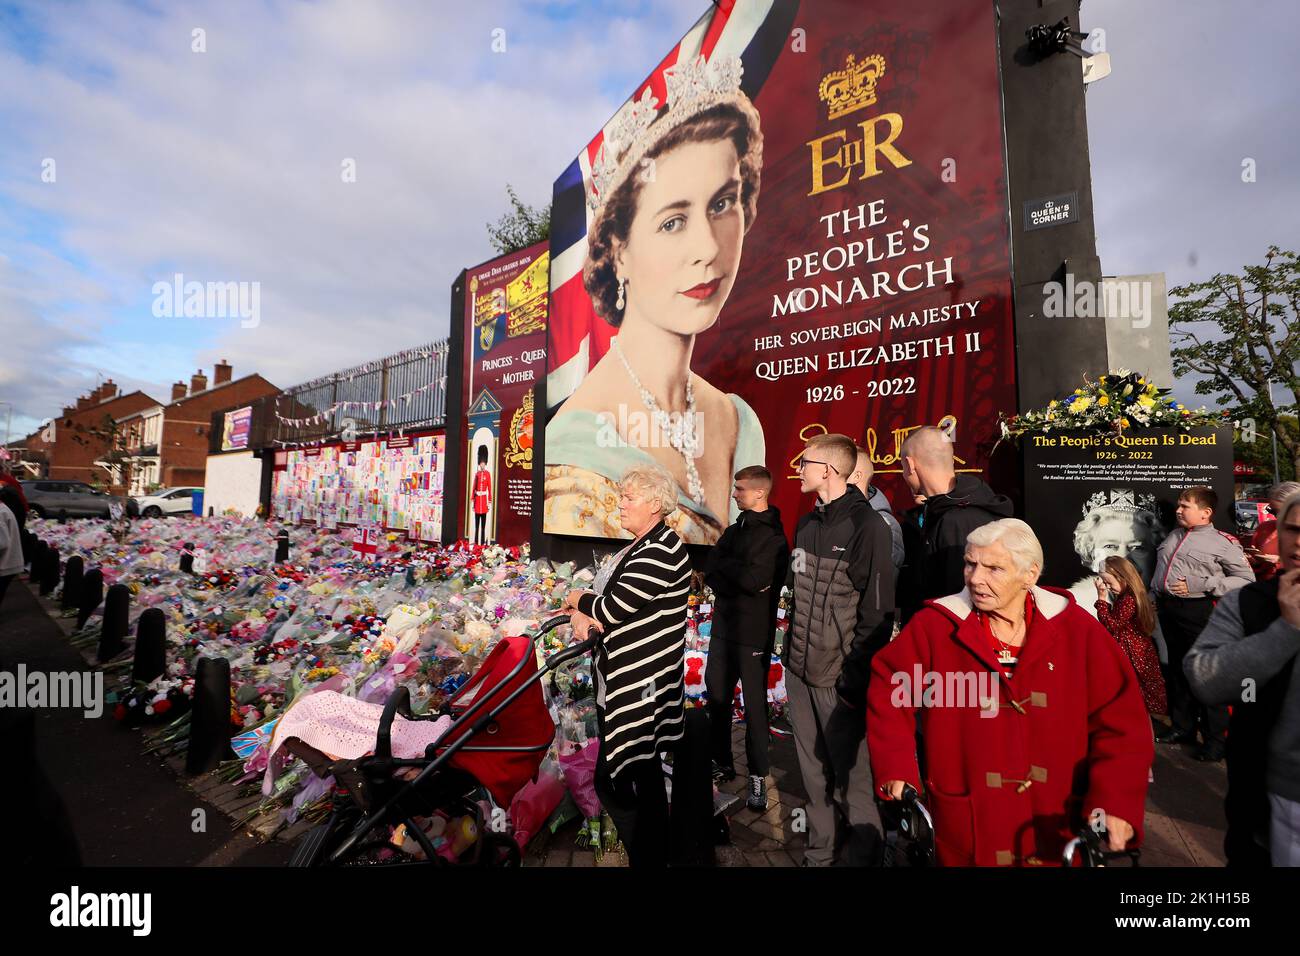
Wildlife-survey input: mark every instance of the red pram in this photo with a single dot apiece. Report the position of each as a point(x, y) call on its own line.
point(514, 742)
point(500, 734)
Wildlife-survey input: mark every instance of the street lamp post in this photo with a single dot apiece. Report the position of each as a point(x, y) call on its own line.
point(1277, 475)
point(9, 417)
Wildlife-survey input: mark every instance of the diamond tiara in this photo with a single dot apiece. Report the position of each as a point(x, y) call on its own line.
point(1121, 500)
point(693, 87)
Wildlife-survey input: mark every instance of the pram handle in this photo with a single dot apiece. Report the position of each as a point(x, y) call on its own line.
point(912, 799)
point(906, 817)
point(1092, 842)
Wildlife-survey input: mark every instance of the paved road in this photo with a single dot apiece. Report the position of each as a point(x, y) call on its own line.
point(126, 808)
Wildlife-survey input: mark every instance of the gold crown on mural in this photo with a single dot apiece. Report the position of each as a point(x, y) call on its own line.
point(693, 87)
point(1121, 500)
point(853, 87)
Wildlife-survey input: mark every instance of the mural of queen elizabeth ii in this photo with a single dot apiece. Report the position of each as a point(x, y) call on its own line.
point(673, 191)
point(1119, 524)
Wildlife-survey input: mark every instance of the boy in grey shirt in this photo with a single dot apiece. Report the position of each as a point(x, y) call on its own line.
point(1196, 564)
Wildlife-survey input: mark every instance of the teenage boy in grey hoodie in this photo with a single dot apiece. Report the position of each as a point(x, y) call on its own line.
point(1196, 565)
point(1246, 657)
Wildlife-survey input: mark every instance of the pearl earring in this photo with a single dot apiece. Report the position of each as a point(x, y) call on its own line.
point(621, 302)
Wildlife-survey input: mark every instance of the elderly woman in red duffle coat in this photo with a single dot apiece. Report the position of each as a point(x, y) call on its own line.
point(1031, 718)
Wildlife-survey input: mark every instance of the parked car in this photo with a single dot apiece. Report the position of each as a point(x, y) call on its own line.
point(1248, 515)
point(167, 501)
point(52, 498)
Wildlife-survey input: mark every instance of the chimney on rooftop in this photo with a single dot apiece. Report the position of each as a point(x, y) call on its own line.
point(198, 382)
point(178, 391)
point(107, 391)
point(85, 401)
point(221, 372)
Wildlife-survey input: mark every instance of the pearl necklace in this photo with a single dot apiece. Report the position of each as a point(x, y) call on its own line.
point(678, 427)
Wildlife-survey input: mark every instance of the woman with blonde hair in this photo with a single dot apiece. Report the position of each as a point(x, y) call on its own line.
point(639, 608)
point(673, 193)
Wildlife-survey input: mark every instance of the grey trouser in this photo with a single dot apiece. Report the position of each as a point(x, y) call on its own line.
point(1284, 831)
point(831, 741)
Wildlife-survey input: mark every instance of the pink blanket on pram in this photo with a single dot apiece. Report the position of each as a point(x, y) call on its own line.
point(344, 728)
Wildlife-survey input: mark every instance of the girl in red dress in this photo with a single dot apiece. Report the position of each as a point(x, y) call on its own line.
point(1131, 621)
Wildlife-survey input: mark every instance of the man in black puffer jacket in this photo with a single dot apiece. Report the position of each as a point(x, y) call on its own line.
point(934, 534)
point(746, 569)
point(842, 577)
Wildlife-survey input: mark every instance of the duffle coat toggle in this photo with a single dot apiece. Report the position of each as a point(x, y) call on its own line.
point(1036, 775)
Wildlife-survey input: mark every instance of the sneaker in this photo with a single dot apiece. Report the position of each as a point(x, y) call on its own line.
point(722, 774)
point(757, 794)
point(1173, 736)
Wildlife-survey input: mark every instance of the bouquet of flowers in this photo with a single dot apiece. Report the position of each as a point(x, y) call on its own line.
point(598, 834)
point(165, 697)
point(422, 617)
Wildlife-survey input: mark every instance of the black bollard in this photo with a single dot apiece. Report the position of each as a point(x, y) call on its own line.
point(150, 646)
point(38, 561)
point(74, 572)
point(187, 557)
point(50, 572)
point(92, 593)
point(282, 546)
point(63, 516)
point(117, 612)
point(210, 717)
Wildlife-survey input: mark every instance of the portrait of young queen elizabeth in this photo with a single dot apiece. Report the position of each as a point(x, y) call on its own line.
point(673, 191)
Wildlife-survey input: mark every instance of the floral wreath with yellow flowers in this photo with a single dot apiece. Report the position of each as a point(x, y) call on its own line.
point(1116, 401)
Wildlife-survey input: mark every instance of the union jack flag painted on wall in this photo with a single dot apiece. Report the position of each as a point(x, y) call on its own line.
point(754, 30)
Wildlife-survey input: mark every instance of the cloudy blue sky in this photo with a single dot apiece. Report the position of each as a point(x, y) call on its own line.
point(225, 165)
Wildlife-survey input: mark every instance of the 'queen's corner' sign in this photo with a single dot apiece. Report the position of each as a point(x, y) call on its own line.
point(1052, 211)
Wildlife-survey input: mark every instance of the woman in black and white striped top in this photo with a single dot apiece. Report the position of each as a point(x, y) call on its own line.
point(640, 692)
